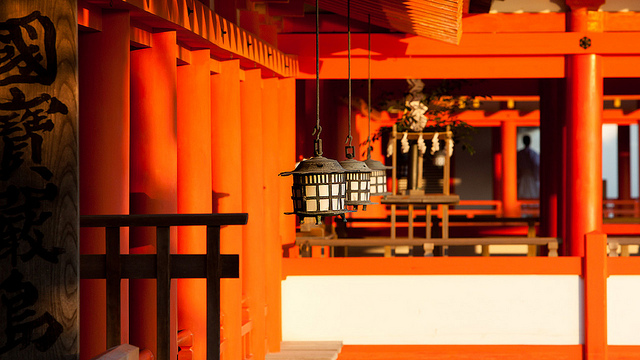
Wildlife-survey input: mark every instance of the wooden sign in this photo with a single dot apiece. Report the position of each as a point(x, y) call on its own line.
point(38, 180)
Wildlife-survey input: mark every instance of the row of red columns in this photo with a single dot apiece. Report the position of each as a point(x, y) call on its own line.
point(161, 138)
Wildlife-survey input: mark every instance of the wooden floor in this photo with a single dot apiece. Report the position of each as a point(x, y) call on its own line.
point(307, 350)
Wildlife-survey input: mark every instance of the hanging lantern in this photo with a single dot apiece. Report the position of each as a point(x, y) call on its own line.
point(378, 177)
point(358, 176)
point(318, 189)
point(319, 184)
point(357, 172)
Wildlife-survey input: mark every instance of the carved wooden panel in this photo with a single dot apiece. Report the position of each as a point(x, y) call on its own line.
point(38, 180)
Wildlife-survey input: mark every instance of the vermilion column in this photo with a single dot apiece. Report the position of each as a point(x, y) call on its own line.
point(624, 163)
point(584, 137)
point(104, 164)
point(194, 188)
point(226, 193)
point(253, 245)
point(509, 170)
point(287, 156)
point(153, 171)
point(272, 242)
point(496, 149)
point(550, 149)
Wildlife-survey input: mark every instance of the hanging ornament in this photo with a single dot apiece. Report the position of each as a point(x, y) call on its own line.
point(404, 143)
point(421, 145)
point(378, 179)
point(319, 184)
point(357, 174)
point(435, 143)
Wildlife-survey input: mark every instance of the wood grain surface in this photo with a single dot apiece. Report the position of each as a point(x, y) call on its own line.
point(39, 125)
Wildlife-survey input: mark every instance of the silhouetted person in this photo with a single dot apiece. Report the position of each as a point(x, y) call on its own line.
point(528, 171)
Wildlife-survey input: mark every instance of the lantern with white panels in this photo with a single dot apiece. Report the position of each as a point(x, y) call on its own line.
point(319, 188)
point(378, 179)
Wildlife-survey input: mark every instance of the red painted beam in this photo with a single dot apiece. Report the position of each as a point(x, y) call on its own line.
point(472, 44)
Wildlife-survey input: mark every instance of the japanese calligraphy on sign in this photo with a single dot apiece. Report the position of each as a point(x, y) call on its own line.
point(29, 109)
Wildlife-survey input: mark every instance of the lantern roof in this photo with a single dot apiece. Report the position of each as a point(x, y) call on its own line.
point(316, 165)
point(376, 165)
point(353, 165)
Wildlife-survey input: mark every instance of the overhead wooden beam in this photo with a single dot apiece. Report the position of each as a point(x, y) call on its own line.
point(486, 44)
point(481, 118)
point(89, 17)
point(505, 55)
point(140, 38)
point(197, 26)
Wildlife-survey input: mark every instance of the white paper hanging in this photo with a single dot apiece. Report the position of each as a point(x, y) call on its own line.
point(435, 143)
point(405, 143)
point(422, 147)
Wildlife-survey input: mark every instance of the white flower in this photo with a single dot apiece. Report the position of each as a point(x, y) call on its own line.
point(421, 145)
point(390, 148)
point(405, 143)
point(435, 143)
point(449, 147)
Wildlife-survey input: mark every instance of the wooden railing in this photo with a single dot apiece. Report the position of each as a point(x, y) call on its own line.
point(616, 243)
point(620, 208)
point(550, 242)
point(162, 266)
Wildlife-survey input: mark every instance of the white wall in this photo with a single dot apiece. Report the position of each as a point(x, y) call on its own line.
point(434, 309)
point(623, 303)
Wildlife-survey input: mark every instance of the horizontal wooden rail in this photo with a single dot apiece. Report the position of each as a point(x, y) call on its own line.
point(163, 220)
point(143, 266)
point(162, 266)
point(551, 242)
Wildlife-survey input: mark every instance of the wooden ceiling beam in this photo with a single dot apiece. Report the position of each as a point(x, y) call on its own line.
point(197, 27)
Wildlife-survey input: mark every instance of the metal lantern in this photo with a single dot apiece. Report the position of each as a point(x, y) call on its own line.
point(318, 189)
point(319, 184)
point(378, 169)
point(358, 177)
point(357, 172)
point(378, 177)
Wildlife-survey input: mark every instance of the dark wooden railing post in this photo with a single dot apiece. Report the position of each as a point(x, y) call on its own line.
point(113, 275)
point(163, 276)
point(162, 266)
point(213, 292)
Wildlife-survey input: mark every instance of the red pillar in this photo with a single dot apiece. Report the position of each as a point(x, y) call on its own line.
point(272, 243)
point(226, 185)
point(496, 149)
point(624, 163)
point(584, 138)
point(550, 154)
point(287, 156)
point(253, 280)
point(153, 171)
point(561, 127)
point(194, 187)
point(104, 164)
point(509, 170)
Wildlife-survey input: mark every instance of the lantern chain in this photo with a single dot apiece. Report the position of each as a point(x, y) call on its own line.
point(318, 129)
point(349, 150)
point(369, 88)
